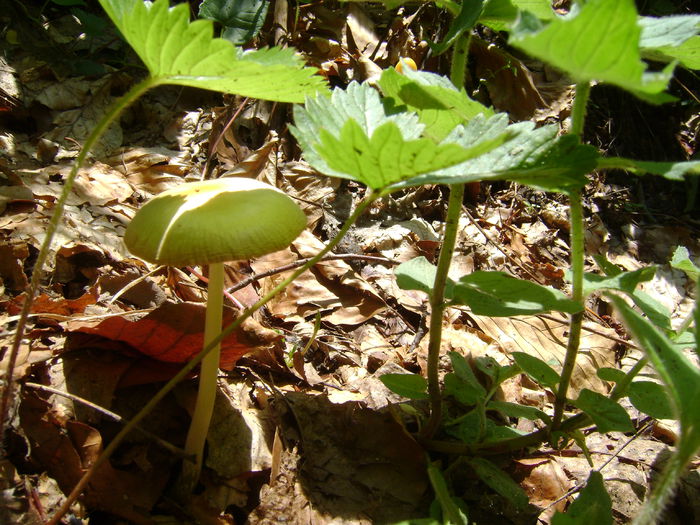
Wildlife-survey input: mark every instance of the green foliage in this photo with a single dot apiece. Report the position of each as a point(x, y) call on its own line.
point(185, 53)
point(671, 38)
point(681, 261)
point(650, 398)
point(241, 19)
point(593, 505)
point(499, 481)
point(411, 386)
point(537, 369)
point(605, 413)
point(600, 42)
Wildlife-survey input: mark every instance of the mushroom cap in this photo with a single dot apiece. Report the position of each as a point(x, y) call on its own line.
point(214, 221)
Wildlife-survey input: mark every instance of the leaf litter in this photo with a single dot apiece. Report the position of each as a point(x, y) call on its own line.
point(303, 428)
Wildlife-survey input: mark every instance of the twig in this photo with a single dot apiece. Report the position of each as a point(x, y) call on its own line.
point(112, 415)
point(301, 262)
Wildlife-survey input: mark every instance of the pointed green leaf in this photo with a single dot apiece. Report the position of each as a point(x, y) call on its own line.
point(436, 101)
point(593, 505)
point(605, 413)
point(537, 369)
point(535, 157)
point(623, 281)
point(180, 52)
point(681, 377)
point(681, 261)
point(416, 274)
point(241, 19)
point(688, 53)
point(464, 21)
point(667, 30)
point(668, 170)
point(600, 42)
point(411, 386)
point(650, 398)
point(519, 411)
point(463, 371)
point(499, 481)
point(500, 14)
point(498, 294)
point(614, 375)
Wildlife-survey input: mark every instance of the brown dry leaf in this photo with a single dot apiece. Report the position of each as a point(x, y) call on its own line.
point(331, 287)
point(152, 170)
point(546, 339)
point(544, 481)
point(12, 257)
point(66, 448)
point(100, 184)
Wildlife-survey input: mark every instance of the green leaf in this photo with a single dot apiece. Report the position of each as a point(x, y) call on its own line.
point(176, 51)
point(667, 30)
point(351, 135)
point(440, 106)
point(241, 19)
point(681, 377)
point(535, 157)
point(688, 53)
point(499, 481)
point(599, 43)
point(464, 21)
point(605, 413)
point(537, 369)
point(499, 14)
point(498, 294)
point(451, 512)
point(650, 398)
point(463, 384)
point(411, 386)
point(623, 281)
point(593, 505)
point(668, 170)
point(614, 375)
point(416, 274)
point(519, 411)
point(681, 261)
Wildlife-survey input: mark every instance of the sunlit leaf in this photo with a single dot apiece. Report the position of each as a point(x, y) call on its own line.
point(681, 261)
point(600, 42)
point(411, 386)
point(593, 505)
point(177, 51)
point(668, 170)
point(607, 414)
point(537, 369)
point(650, 398)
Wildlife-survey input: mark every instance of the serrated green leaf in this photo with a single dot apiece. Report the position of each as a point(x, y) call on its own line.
point(351, 135)
point(519, 411)
point(668, 170)
point(436, 101)
point(535, 157)
point(498, 294)
point(681, 261)
point(605, 413)
point(650, 398)
point(499, 481)
point(241, 19)
point(593, 505)
point(601, 43)
point(537, 369)
point(185, 53)
point(411, 386)
point(416, 274)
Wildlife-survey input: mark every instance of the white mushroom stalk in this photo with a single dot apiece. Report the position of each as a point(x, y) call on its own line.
point(207, 223)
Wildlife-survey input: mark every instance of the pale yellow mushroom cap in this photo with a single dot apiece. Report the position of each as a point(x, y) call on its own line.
point(214, 221)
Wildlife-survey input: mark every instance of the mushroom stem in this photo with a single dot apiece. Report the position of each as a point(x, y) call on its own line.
point(204, 407)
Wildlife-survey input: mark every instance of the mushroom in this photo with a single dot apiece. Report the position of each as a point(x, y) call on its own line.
point(207, 223)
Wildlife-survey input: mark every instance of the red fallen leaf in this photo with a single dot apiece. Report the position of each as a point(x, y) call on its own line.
point(173, 333)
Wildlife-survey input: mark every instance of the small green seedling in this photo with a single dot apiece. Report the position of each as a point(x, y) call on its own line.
point(207, 223)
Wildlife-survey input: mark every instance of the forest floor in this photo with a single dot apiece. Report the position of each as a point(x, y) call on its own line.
point(304, 431)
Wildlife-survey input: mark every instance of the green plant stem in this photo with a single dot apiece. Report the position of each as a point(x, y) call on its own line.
point(572, 347)
point(206, 396)
point(664, 485)
point(437, 307)
point(458, 67)
point(112, 113)
point(578, 111)
point(187, 368)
